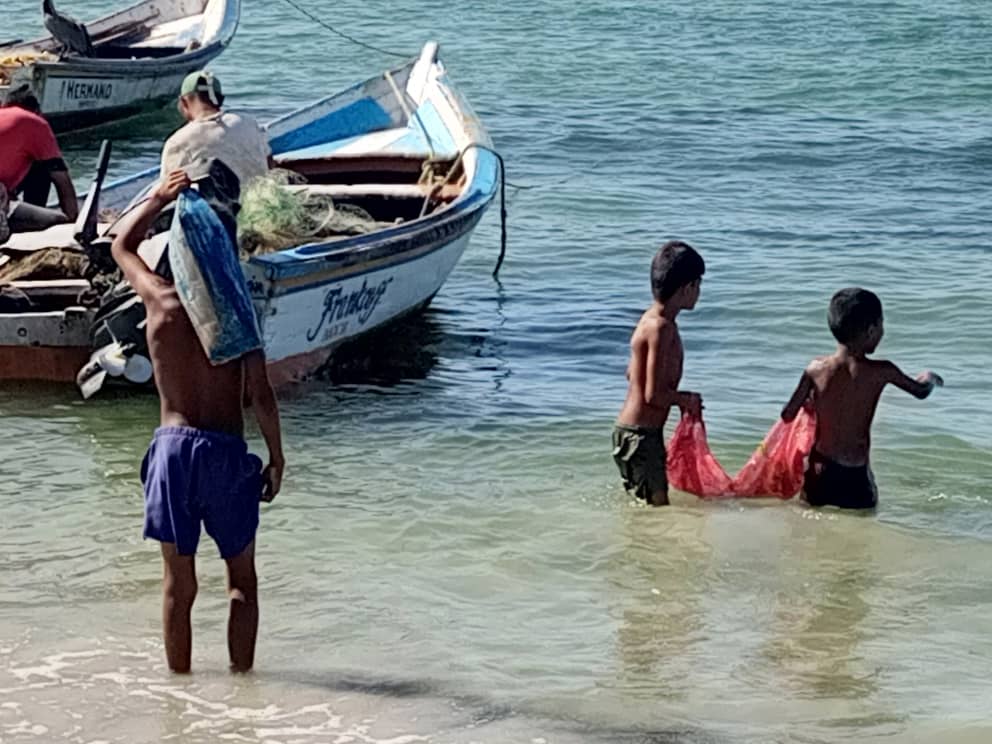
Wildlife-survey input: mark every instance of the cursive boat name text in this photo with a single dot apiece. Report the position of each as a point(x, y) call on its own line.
point(339, 306)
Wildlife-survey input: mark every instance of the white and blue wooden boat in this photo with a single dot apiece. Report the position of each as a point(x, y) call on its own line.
point(371, 146)
point(121, 64)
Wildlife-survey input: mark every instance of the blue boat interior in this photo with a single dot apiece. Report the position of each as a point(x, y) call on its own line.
point(358, 153)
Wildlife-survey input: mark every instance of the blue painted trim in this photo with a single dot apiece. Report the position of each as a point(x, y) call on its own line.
point(361, 117)
point(301, 113)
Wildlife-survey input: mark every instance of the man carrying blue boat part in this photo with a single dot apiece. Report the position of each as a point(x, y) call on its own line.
point(235, 139)
point(198, 468)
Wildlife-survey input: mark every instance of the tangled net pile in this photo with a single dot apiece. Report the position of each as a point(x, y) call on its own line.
point(9, 63)
point(273, 217)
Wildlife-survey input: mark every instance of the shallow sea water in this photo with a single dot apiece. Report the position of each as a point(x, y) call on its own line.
point(453, 559)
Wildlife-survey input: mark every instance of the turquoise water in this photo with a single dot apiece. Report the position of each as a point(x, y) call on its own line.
point(452, 559)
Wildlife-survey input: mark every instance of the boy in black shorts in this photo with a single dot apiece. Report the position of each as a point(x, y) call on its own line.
point(844, 389)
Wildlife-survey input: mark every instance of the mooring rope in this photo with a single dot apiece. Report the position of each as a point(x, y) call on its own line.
point(342, 34)
point(502, 193)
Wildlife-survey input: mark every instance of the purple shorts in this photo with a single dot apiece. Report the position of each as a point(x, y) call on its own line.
point(192, 476)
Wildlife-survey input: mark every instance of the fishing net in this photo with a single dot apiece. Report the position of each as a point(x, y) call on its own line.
point(775, 469)
point(274, 217)
point(22, 59)
point(45, 265)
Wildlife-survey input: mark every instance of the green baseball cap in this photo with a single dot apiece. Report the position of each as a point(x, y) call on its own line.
point(202, 81)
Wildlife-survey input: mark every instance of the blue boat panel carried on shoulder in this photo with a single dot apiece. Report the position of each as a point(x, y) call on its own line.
point(210, 281)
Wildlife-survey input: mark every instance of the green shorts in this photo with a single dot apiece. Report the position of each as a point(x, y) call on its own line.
point(639, 453)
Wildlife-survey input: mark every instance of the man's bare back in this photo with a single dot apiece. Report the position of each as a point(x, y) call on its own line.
point(193, 392)
point(846, 393)
point(844, 389)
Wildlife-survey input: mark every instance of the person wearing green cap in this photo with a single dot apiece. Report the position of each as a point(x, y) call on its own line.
point(237, 140)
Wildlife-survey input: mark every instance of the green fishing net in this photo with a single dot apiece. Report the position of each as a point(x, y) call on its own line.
point(275, 216)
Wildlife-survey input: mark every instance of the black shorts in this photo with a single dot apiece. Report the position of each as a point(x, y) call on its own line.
point(639, 453)
point(828, 483)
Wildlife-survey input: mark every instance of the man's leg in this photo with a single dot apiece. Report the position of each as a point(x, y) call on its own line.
point(660, 498)
point(242, 624)
point(29, 218)
point(36, 185)
point(4, 204)
point(178, 593)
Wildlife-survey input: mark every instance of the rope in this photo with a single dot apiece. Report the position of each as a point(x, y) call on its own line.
point(502, 195)
point(556, 182)
point(343, 35)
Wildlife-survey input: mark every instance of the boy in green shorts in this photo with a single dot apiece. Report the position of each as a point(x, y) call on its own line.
point(654, 373)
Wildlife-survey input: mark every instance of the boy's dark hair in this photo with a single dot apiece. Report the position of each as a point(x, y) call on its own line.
point(852, 312)
point(675, 265)
point(24, 97)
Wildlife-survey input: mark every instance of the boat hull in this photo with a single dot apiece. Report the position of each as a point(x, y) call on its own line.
point(44, 346)
point(302, 328)
point(74, 98)
point(79, 92)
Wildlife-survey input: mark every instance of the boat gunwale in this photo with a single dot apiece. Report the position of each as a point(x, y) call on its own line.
point(93, 67)
point(340, 252)
point(323, 269)
point(225, 34)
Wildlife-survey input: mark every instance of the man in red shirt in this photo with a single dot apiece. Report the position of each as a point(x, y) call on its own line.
point(30, 164)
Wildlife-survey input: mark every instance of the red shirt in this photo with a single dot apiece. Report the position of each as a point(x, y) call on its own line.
point(24, 139)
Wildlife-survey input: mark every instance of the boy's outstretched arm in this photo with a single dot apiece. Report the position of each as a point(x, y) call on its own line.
point(134, 230)
point(258, 391)
point(921, 387)
point(799, 398)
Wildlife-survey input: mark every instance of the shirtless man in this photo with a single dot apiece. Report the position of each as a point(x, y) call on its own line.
point(844, 389)
point(198, 468)
point(654, 373)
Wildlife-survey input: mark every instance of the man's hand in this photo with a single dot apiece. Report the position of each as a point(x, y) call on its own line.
point(930, 378)
point(691, 404)
point(153, 289)
point(272, 480)
point(169, 187)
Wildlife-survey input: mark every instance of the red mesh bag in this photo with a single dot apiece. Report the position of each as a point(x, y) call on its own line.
point(775, 469)
point(691, 466)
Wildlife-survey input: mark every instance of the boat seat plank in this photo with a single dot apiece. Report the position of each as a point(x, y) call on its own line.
point(50, 286)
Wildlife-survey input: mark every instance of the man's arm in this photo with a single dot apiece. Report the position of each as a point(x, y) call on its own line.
point(920, 388)
point(134, 229)
point(258, 391)
point(664, 372)
point(44, 149)
point(799, 398)
point(68, 202)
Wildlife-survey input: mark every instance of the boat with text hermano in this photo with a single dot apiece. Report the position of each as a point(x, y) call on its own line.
point(405, 149)
point(117, 66)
